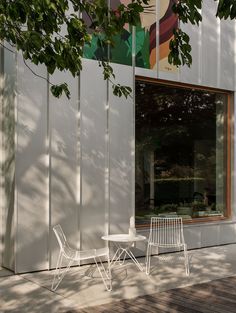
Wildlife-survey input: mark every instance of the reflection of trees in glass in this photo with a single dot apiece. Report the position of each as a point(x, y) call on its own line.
point(177, 108)
point(179, 126)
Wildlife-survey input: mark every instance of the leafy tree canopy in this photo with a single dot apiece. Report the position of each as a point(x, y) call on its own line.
point(54, 33)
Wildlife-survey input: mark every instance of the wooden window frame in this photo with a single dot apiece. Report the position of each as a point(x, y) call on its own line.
point(228, 147)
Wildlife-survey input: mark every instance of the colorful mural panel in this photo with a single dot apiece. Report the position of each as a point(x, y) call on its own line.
point(146, 38)
point(121, 52)
point(167, 22)
point(94, 51)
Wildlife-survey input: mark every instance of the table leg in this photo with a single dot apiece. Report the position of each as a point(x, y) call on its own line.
point(126, 251)
point(117, 256)
point(133, 258)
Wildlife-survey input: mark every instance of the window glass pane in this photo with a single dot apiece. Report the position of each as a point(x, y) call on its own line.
point(180, 152)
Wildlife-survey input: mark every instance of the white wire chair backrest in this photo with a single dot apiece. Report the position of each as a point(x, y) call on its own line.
point(61, 238)
point(166, 231)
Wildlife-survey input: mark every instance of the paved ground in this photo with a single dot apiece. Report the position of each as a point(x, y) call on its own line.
point(133, 291)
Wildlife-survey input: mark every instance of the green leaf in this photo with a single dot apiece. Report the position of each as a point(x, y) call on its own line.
point(57, 90)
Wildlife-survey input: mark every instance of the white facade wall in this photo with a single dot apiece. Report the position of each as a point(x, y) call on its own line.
point(8, 115)
point(74, 159)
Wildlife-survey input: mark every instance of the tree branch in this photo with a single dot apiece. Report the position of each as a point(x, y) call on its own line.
point(7, 48)
point(37, 75)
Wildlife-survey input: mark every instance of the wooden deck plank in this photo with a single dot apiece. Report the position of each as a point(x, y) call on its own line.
point(223, 293)
point(228, 284)
point(161, 304)
point(218, 298)
point(174, 303)
point(204, 304)
point(209, 298)
point(192, 305)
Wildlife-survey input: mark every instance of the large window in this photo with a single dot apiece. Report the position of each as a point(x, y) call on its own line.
point(181, 152)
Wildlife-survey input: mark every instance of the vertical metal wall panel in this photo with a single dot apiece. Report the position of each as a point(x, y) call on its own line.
point(233, 156)
point(227, 54)
point(63, 190)
point(210, 44)
point(192, 236)
point(93, 101)
point(227, 233)
point(31, 170)
point(210, 235)
point(2, 204)
point(8, 159)
point(193, 74)
point(121, 153)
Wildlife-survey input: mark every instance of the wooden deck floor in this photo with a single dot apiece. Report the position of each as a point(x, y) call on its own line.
point(218, 296)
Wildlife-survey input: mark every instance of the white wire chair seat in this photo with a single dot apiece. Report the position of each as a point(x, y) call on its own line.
point(166, 232)
point(73, 255)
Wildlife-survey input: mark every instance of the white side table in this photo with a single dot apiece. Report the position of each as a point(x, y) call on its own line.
point(123, 244)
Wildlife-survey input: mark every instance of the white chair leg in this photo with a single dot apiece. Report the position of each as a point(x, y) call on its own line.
point(186, 261)
point(104, 275)
point(60, 274)
point(109, 272)
point(148, 259)
point(57, 272)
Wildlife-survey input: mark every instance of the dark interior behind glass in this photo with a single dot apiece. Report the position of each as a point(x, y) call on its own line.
point(180, 152)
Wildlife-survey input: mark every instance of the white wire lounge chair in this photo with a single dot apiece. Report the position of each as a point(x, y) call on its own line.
point(166, 232)
point(72, 255)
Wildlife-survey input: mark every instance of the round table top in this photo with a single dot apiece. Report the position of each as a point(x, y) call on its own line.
point(123, 238)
